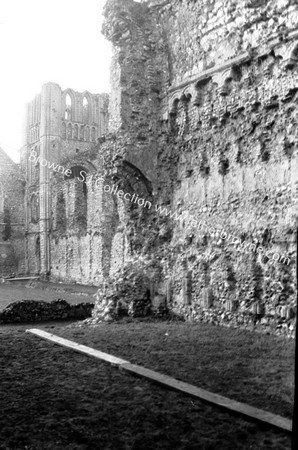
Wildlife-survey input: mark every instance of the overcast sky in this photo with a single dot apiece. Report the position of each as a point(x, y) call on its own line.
point(47, 40)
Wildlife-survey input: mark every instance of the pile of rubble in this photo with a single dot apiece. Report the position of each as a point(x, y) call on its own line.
point(37, 311)
point(128, 293)
point(127, 298)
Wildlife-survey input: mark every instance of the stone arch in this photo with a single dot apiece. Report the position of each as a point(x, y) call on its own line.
point(68, 103)
point(86, 107)
point(292, 55)
point(136, 202)
point(187, 100)
point(82, 128)
point(126, 213)
point(93, 134)
point(288, 53)
point(173, 108)
point(200, 89)
point(189, 93)
point(75, 171)
point(173, 102)
point(173, 113)
point(69, 111)
point(77, 198)
point(76, 131)
point(69, 131)
point(34, 208)
point(223, 80)
point(82, 163)
point(124, 167)
point(87, 133)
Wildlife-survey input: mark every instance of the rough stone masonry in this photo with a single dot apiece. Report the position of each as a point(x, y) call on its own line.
point(202, 121)
point(203, 103)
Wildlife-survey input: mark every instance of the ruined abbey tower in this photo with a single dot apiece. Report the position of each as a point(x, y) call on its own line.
point(62, 126)
point(202, 123)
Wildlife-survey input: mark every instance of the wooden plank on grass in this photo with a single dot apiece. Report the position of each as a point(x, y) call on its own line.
point(22, 279)
point(255, 414)
point(77, 347)
point(209, 397)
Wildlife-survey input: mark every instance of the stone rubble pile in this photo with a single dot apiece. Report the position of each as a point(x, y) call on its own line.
point(129, 293)
point(36, 311)
point(159, 306)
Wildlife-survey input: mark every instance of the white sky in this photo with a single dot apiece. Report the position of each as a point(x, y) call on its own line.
point(47, 40)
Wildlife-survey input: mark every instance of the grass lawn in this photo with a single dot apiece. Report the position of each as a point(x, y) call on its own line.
point(53, 398)
point(249, 367)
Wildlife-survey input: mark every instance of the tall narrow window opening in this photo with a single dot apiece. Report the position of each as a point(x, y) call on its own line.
point(85, 110)
point(67, 107)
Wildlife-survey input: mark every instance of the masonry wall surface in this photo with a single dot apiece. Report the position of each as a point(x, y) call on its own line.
point(237, 170)
point(199, 163)
point(220, 149)
point(12, 217)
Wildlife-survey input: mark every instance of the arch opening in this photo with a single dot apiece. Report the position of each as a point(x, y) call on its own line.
point(68, 105)
point(85, 110)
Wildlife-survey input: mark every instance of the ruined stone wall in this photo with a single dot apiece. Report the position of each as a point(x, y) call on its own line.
point(138, 73)
point(207, 33)
point(225, 150)
point(12, 220)
point(202, 123)
point(61, 126)
point(77, 231)
point(235, 147)
point(88, 248)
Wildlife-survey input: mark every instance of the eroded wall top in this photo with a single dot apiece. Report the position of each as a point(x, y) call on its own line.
point(198, 35)
point(206, 33)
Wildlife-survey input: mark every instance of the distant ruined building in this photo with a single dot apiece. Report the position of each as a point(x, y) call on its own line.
point(12, 217)
point(62, 129)
point(202, 124)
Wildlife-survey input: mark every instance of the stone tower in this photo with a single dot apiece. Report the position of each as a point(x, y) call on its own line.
point(60, 124)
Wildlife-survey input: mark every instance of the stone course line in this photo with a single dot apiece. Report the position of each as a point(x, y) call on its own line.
point(257, 415)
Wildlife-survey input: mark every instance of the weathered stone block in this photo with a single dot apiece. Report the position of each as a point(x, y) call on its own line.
point(187, 289)
point(169, 291)
point(231, 305)
point(257, 308)
point(207, 297)
point(290, 313)
point(283, 312)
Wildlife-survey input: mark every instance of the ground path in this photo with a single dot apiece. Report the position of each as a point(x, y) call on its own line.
point(54, 399)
